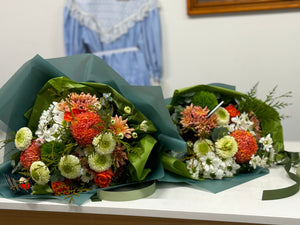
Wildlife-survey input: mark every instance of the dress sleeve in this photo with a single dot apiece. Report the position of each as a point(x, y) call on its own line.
point(72, 35)
point(152, 44)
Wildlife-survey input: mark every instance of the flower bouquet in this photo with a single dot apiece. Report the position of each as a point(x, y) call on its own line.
point(73, 138)
point(230, 136)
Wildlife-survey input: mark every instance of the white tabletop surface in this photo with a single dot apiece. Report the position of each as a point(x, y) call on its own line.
point(239, 204)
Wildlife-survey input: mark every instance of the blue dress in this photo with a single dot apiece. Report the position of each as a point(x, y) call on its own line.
point(126, 34)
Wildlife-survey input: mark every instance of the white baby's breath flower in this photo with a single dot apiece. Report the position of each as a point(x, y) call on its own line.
point(50, 126)
point(255, 161)
point(23, 138)
point(144, 126)
point(97, 105)
point(86, 176)
point(194, 167)
point(267, 142)
point(242, 122)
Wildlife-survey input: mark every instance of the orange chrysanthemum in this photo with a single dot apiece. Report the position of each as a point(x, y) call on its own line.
point(247, 145)
point(85, 127)
point(61, 187)
point(68, 116)
point(120, 126)
point(30, 155)
point(187, 118)
point(233, 112)
point(196, 116)
point(76, 101)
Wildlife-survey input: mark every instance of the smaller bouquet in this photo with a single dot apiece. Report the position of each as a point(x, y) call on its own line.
point(226, 132)
point(81, 136)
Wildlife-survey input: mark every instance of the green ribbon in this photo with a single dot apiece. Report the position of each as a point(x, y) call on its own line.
point(126, 193)
point(288, 191)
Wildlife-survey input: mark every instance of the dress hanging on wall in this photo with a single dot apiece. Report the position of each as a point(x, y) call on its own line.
point(124, 33)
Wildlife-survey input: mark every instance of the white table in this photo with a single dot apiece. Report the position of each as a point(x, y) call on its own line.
point(241, 204)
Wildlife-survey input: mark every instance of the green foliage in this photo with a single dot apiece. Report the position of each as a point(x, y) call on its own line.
point(218, 133)
point(51, 152)
point(266, 109)
point(41, 189)
point(205, 98)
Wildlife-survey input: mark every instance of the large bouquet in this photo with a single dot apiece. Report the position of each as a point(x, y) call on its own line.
point(81, 135)
point(226, 132)
point(75, 137)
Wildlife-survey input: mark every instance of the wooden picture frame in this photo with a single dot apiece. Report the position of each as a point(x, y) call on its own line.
point(198, 7)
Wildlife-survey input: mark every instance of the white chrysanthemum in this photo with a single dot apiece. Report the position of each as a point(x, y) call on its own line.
point(104, 143)
point(86, 176)
point(194, 167)
point(50, 124)
point(202, 147)
point(69, 166)
point(223, 116)
point(267, 142)
point(226, 147)
point(100, 162)
point(39, 172)
point(23, 138)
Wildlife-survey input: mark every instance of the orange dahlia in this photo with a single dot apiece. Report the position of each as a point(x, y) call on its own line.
point(247, 145)
point(85, 127)
point(30, 155)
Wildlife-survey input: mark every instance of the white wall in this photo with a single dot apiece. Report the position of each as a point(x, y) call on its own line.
point(239, 49)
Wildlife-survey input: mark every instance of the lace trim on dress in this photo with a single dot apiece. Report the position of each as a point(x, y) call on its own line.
point(115, 31)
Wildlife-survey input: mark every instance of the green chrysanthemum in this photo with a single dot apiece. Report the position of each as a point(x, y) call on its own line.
point(100, 162)
point(69, 166)
point(205, 98)
point(223, 116)
point(104, 143)
point(226, 147)
point(202, 147)
point(39, 172)
point(23, 138)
